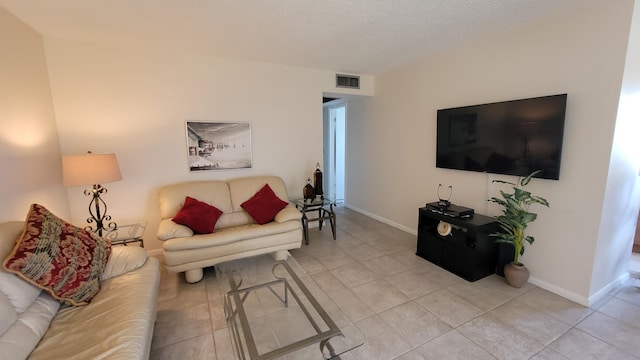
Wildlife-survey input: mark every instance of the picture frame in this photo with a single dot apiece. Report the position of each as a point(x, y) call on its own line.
point(218, 145)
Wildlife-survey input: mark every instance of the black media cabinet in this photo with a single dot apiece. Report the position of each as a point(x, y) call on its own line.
point(468, 251)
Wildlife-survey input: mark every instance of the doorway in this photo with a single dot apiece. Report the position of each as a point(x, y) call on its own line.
point(335, 118)
point(634, 263)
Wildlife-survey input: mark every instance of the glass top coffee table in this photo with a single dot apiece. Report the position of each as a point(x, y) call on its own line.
point(270, 312)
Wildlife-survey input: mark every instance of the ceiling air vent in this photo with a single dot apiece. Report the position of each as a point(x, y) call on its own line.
point(348, 81)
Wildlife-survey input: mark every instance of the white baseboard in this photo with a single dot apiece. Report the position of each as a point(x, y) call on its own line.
point(584, 301)
point(560, 291)
point(605, 290)
point(383, 220)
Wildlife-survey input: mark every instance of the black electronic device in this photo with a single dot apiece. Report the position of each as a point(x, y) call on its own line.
point(451, 210)
point(511, 137)
point(444, 202)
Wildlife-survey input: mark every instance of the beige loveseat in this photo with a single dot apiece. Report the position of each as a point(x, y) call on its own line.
point(117, 324)
point(236, 234)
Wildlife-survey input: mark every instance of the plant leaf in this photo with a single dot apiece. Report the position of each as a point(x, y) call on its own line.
point(526, 180)
point(528, 217)
point(540, 200)
point(503, 182)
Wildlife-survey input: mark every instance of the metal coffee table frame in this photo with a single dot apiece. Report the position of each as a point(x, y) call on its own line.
point(243, 338)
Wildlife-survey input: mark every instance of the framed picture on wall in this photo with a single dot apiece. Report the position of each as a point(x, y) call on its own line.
point(218, 145)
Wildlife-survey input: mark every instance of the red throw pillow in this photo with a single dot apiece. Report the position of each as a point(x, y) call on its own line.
point(58, 257)
point(264, 205)
point(198, 216)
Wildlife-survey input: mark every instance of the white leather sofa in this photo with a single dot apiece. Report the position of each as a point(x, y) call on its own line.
point(117, 324)
point(236, 234)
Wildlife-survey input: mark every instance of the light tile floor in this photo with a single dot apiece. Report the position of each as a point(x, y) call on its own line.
point(410, 309)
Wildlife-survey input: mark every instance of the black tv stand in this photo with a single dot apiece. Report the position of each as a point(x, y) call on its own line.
point(468, 251)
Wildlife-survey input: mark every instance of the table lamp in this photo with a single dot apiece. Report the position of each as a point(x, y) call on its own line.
point(93, 169)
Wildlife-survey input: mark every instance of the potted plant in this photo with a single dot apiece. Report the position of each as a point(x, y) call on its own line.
point(513, 222)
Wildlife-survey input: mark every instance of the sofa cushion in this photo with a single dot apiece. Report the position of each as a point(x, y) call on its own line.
point(58, 257)
point(20, 339)
point(198, 216)
point(287, 214)
point(212, 192)
point(20, 293)
point(8, 314)
point(232, 235)
point(124, 259)
point(167, 229)
point(264, 205)
point(243, 189)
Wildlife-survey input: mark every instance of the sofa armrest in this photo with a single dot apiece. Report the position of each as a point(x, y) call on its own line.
point(287, 214)
point(169, 230)
point(124, 259)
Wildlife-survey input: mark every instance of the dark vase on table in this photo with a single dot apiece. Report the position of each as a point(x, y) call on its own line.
point(317, 181)
point(308, 191)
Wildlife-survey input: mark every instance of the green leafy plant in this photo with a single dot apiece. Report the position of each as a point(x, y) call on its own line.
point(516, 215)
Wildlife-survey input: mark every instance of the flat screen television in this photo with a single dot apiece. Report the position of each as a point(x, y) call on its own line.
point(513, 137)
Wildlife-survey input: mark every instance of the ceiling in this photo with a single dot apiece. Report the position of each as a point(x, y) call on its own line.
point(351, 36)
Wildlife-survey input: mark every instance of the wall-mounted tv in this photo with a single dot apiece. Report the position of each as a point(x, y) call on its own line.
point(513, 137)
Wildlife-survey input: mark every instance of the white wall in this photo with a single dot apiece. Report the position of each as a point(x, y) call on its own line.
point(391, 138)
point(29, 150)
point(622, 195)
point(134, 102)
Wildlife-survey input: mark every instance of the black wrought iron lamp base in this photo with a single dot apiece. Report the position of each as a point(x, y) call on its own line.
point(101, 219)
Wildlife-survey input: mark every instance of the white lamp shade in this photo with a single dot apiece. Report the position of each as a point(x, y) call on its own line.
point(90, 169)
